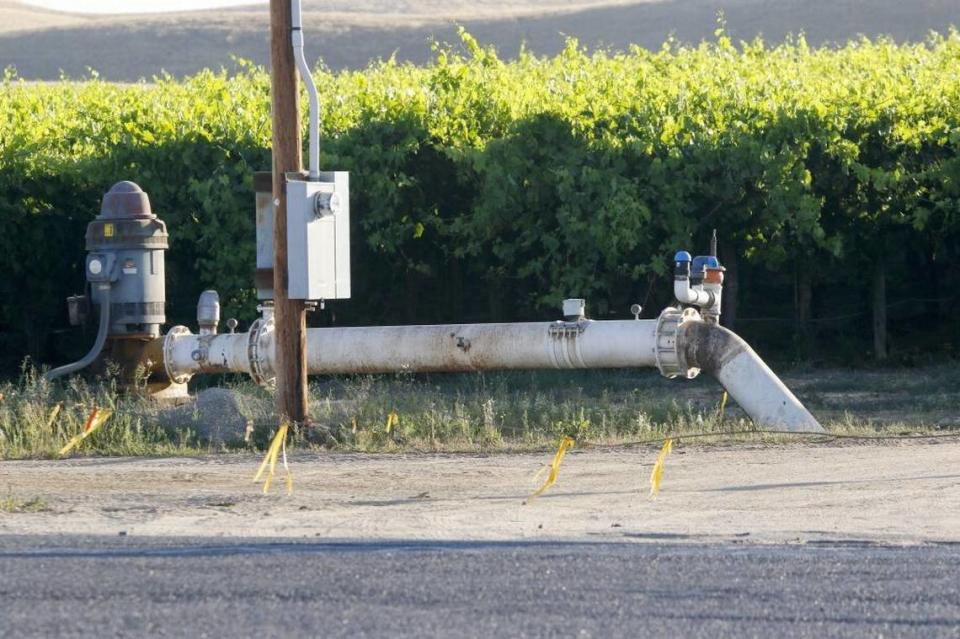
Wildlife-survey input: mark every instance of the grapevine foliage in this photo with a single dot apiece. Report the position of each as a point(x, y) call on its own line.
point(485, 189)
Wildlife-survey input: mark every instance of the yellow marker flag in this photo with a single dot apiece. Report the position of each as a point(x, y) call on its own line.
point(565, 444)
point(392, 420)
point(96, 419)
point(657, 475)
point(723, 405)
point(54, 413)
point(269, 463)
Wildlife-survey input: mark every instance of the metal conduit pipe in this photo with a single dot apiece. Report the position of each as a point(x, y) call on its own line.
point(296, 38)
point(750, 382)
point(101, 340)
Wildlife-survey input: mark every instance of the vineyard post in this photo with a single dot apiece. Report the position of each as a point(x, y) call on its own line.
point(290, 315)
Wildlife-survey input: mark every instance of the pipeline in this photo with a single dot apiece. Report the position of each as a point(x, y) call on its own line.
point(678, 343)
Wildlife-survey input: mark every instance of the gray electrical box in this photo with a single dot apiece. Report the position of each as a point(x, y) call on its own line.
point(318, 237)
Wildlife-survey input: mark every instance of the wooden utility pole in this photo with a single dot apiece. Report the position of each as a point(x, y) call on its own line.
point(289, 315)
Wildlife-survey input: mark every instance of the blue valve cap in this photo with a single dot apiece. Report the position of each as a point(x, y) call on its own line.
point(682, 256)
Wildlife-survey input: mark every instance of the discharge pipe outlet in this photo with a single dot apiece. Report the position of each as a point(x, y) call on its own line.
point(738, 368)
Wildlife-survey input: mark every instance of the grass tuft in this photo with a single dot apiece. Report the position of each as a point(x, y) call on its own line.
point(14, 504)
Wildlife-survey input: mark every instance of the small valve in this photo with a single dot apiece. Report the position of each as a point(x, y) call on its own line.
point(636, 309)
point(232, 325)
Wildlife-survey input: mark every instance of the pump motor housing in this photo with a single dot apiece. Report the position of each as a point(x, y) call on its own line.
point(126, 245)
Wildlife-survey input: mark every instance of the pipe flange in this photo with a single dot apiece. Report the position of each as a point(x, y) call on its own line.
point(175, 376)
point(670, 358)
point(259, 341)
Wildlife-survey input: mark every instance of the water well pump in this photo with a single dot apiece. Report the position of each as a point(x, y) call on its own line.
point(124, 273)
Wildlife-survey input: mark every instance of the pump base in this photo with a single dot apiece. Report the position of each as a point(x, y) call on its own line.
point(168, 394)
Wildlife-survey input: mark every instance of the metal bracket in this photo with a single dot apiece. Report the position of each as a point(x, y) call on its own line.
point(567, 330)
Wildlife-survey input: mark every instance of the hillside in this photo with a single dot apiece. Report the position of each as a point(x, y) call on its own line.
point(349, 33)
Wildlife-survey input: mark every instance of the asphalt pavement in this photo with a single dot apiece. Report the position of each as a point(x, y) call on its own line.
point(130, 587)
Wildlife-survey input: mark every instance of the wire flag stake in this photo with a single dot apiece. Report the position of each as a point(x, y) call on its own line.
point(565, 444)
point(657, 475)
point(98, 417)
point(278, 445)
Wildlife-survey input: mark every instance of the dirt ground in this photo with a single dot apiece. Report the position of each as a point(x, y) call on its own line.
point(350, 33)
point(894, 494)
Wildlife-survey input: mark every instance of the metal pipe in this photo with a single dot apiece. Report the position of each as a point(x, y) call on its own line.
point(687, 295)
point(679, 344)
point(450, 348)
point(477, 347)
point(296, 38)
point(750, 382)
point(98, 344)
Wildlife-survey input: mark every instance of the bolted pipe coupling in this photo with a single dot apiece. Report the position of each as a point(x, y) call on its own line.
point(260, 351)
point(670, 353)
point(177, 372)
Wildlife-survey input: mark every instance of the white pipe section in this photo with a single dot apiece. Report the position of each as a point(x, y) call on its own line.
point(456, 347)
point(479, 347)
point(687, 295)
point(476, 347)
point(763, 396)
point(296, 37)
point(187, 354)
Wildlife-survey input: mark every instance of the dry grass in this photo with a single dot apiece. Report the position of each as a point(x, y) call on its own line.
point(14, 504)
point(480, 413)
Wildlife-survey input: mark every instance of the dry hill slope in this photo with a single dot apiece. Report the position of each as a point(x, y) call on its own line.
point(41, 43)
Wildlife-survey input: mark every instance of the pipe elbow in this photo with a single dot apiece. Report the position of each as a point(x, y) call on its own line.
point(709, 347)
point(687, 295)
point(751, 383)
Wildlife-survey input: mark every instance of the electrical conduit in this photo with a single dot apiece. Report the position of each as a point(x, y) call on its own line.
point(102, 331)
point(296, 37)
